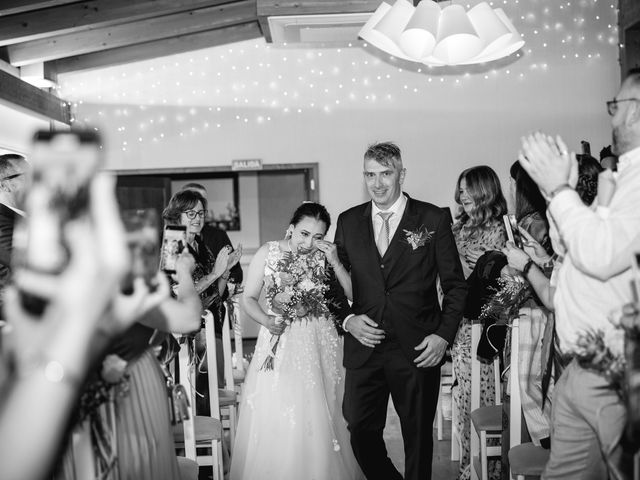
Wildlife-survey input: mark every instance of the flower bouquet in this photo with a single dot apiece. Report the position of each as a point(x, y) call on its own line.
point(295, 291)
point(506, 302)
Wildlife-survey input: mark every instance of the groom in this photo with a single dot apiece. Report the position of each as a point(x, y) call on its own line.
point(395, 248)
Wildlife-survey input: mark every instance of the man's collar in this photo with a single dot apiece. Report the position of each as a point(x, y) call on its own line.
point(397, 206)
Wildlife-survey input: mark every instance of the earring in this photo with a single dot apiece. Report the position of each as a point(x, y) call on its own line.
point(287, 234)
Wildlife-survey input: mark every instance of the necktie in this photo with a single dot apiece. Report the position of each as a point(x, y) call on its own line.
point(383, 237)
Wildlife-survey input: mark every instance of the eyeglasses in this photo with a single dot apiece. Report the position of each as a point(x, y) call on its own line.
point(191, 214)
point(612, 105)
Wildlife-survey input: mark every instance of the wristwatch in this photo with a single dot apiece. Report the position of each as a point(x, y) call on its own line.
point(527, 267)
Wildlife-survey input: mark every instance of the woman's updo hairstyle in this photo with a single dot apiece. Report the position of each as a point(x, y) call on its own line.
point(312, 210)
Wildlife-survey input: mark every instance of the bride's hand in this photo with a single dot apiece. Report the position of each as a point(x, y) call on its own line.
point(275, 325)
point(330, 251)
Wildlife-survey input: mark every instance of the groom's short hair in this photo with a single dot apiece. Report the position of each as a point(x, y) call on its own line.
point(385, 153)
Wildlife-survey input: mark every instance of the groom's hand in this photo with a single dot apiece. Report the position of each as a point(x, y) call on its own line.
point(364, 330)
point(433, 348)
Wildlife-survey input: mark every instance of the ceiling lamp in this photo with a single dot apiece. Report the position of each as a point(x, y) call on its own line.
point(438, 36)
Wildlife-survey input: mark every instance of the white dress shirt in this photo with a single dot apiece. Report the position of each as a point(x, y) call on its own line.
point(397, 209)
point(594, 279)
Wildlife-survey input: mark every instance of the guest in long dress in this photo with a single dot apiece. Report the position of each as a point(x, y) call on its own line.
point(479, 228)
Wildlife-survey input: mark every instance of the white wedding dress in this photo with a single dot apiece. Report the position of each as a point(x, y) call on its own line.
point(291, 425)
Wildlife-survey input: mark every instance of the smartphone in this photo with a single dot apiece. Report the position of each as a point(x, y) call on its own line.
point(63, 166)
point(141, 226)
point(174, 240)
point(513, 233)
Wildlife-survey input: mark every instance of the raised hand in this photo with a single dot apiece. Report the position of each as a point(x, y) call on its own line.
point(330, 251)
point(548, 161)
point(364, 330)
point(234, 257)
point(222, 260)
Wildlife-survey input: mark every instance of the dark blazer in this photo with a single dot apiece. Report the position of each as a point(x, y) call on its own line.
point(398, 291)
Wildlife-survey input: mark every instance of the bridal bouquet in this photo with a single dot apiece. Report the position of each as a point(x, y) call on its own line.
point(296, 290)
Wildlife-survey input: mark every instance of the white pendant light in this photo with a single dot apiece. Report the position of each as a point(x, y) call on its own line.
point(448, 36)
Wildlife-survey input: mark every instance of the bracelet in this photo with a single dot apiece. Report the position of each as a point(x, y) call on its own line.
point(527, 267)
point(557, 190)
point(226, 275)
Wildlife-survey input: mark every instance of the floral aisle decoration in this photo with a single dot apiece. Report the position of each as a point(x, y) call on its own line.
point(295, 291)
point(97, 407)
point(505, 304)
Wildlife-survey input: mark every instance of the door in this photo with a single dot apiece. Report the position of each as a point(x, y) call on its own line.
point(279, 194)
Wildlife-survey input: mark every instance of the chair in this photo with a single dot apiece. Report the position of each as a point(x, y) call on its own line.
point(486, 422)
point(236, 368)
point(525, 459)
point(228, 395)
point(198, 432)
point(446, 381)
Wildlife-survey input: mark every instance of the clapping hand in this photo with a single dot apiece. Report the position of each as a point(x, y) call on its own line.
point(548, 161)
point(234, 257)
point(222, 260)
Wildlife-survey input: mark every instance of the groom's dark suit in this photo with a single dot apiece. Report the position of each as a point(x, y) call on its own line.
point(398, 291)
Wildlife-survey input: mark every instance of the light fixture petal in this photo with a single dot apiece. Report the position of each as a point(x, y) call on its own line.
point(378, 39)
point(457, 39)
point(493, 32)
point(419, 37)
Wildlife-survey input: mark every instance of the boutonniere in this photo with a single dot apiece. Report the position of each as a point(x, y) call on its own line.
point(418, 237)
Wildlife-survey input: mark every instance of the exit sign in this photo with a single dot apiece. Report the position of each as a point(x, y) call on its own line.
point(250, 164)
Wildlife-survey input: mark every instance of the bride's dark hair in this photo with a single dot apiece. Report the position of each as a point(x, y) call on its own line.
point(311, 210)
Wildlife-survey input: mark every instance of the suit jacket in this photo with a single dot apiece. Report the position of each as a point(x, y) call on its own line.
point(398, 291)
point(7, 220)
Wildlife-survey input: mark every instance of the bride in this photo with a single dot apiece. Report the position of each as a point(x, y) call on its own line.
point(291, 425)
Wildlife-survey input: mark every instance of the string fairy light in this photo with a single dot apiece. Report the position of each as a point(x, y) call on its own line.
point(251, 83)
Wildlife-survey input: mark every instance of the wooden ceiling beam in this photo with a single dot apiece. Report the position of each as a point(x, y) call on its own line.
point(20, 94)
point(159, 48)
point(12, 7)
point(81, 16)
point(141, 31)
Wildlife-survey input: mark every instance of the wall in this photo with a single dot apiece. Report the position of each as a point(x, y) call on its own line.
point(291, 104)
point(17, 128)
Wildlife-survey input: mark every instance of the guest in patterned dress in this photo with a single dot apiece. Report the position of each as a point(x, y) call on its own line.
point(479, 228)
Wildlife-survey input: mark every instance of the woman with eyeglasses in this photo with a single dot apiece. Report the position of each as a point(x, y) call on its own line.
point(188, 208)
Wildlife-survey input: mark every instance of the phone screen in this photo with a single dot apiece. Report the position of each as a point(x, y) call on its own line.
point(63, 166)
point(174, 241)
point(513, 234)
